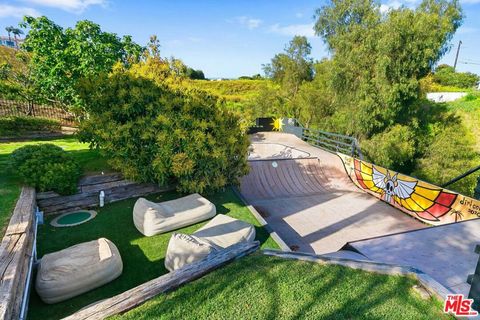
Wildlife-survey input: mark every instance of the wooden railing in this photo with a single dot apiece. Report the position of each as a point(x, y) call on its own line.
point(16, 256)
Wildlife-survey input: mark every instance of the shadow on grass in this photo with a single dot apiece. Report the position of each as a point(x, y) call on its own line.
point(143, 257)
point(260, 287)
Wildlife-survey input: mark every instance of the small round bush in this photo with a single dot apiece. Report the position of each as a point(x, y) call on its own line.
point(46, 167)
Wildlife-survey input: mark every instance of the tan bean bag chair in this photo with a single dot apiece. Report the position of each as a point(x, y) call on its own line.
point(152, 218)
point(75, 270)
point(221, 232)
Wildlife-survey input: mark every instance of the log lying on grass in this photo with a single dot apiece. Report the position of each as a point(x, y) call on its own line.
point(430, 284)
point(15, 252)
point(138, 295)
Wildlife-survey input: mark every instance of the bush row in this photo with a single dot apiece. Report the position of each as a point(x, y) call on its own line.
point(15, 126)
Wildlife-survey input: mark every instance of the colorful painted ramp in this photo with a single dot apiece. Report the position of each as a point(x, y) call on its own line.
point(310, 201)
point(318, 201)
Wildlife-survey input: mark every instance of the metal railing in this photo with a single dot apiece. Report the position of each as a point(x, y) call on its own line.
point(332, 142)
point(325, 140)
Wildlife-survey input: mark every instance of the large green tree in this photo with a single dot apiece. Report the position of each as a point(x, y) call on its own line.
point(16, 79)
point(59, 57)
point(378, 58)
point(291, 69)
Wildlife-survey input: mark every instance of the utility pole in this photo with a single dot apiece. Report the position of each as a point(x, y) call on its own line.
point(456, 56)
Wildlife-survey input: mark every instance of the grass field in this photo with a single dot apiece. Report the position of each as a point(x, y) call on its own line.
point(261, 287)
point(469, 110)
point(10, 185)
point(143, 257)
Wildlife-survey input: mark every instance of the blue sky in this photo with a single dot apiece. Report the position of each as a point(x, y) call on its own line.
point(223, 38)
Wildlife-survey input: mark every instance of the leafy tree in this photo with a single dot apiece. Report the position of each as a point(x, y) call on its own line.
point(9, 30)
point(315, 102)
point(378, 59)
point(151, 131)
point(257, 76)
point(60, 58)
point(446, 76)
point(291, 68)
point(16, 78)
point(17, 32)
point(195, 74)
point(394, 149)
point(269, 102)
point(153, 66)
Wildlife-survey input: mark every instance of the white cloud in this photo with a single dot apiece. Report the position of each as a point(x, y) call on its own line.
point(293, 30)
point(384, 8)
point(77, 6)
point(17, 12)
point(245, 21)
point(299, 15)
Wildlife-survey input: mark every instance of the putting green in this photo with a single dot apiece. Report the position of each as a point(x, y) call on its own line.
point(73, 218)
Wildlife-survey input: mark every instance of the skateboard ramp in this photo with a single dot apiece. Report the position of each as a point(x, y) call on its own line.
point(444, 252)
point(311, 202)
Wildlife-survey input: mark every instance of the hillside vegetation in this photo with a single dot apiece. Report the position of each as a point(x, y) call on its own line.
point(233, 90)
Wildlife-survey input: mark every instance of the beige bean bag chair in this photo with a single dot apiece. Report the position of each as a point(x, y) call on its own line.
point(152, 218)
point(72, 271)
point(221, 232)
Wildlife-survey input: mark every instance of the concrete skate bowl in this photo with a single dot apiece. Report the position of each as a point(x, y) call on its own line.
point(258, 151)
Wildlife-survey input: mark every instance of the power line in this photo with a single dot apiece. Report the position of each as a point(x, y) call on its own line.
point(470, 60)
point(465, 62)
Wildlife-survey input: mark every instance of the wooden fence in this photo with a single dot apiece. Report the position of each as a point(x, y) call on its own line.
point(15, 255)
point(13, 108)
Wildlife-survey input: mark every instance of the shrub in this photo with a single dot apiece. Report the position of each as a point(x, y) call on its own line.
point(151, 132)
point(393, 149)
point(15, 126)
point(46, 167)
point(471, 97)
point(446, 76)
point(450, 154)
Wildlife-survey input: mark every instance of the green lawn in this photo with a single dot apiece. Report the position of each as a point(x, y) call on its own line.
point(10, 186)
point(262, 287)
point(143, 257)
